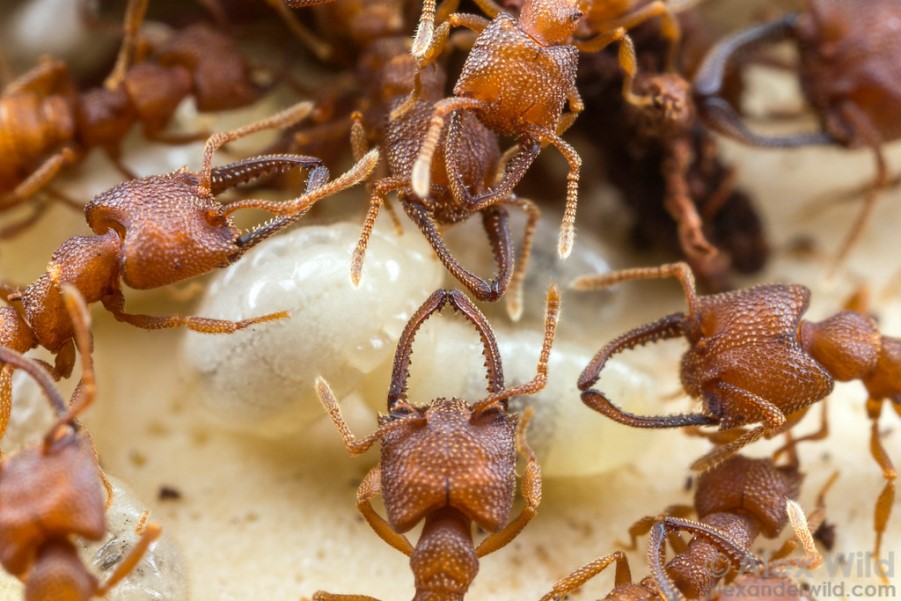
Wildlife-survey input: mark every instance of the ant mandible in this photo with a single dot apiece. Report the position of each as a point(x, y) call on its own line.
point(449, 463)
point(734, 502)
point(464, 170)
point(752, 359)
point(160, 230)
point(54, 491)
point(848, 71)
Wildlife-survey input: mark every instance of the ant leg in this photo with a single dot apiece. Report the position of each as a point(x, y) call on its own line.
point(429, 42)
point(324, 596)
point(380, 190)
point(287, 117)
point(6, 398)
point(755, 408)
point(551, 315)
point(11, 230)
point(812, 558)
point(680, 205)
point(39, 178)
point(531, 492)
point(627, 61)
point(681, 271)
point(134, 15)
point(869, 135)
point(642, 526)
point(125, 567)
point(514, 290)
point(479, 288)
point(15, 360)
point(353, 446)
point(86, 391)
point(49, 77)
point(820, 434)
point(315, 44)
point(421, 174)
point(115, 303)
point(567, 227)
point(883, 509)
point(669, 27)
point(370, 487)
point(580, 576)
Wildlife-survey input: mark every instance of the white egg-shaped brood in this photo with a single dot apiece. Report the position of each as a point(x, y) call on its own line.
point(261, 379)
point(159, 575)
point(569, 438)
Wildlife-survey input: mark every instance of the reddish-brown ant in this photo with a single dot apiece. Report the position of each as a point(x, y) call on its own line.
point(849, 53)
point(735, 502)
point(159, 230)
point(666, 164)
point(464, 170)
point(449, 463)
point(55, 491)
point(46, 124)
point(752, 359)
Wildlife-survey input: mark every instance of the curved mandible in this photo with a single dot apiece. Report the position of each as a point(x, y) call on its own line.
point(402, 356)
point(708, 82)
point(671, 326)
point(656, 555)
point(225, 177)
point(493, 368)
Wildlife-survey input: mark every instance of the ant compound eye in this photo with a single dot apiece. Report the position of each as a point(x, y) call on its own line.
point(575, 16)
point(403, 409)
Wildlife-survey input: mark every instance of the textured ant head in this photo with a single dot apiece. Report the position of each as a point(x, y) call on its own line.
point(170, 230)
point(451, 453)
point(551, 22)
point(752, 486)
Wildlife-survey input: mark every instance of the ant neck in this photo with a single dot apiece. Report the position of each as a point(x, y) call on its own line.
point(444, 562)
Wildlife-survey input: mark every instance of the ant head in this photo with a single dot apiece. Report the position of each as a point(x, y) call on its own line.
point(58, 573)
point(452, 453)
point(170, 229)
point(552, 22)
point(753, 486)
point(220, 74)
point(48, 493)
point(671, 110)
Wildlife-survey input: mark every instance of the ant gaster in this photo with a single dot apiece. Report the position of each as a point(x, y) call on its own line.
point(449, 463)
point(160, 230)
point(734, 502)
point(849, 57)
point(54, 491)
point(752, 359)
point(45, 124)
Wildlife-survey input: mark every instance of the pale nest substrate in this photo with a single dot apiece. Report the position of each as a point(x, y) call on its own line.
point(263, 518)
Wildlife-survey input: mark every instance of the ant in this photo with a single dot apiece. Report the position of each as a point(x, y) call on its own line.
point(467, 163)
point(46, 125)
point(666, 164)
point(449, 463)
point(160, 230)
point(735, 502)
point(517, 78)
point(752, 359)
point(54, 491)
point(848, 69)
